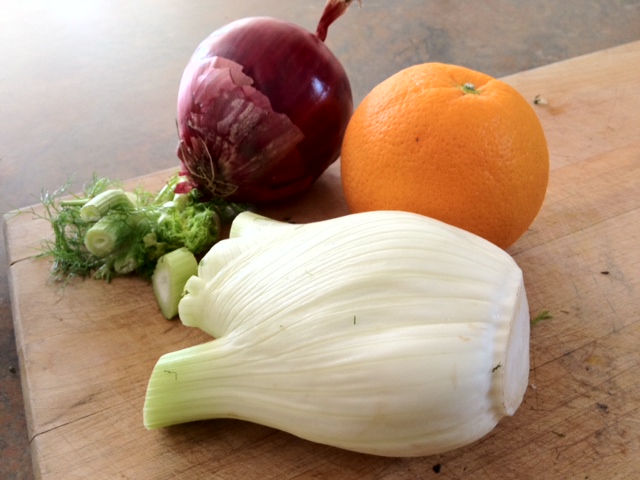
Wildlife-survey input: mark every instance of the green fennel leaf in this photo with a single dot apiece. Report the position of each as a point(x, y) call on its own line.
point(158, 224)
point(543, 315)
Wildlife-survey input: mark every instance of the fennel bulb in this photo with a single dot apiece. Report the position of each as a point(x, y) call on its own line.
point(386, 333)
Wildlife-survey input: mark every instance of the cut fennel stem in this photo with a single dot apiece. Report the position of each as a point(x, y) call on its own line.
point(169, 278)
point(96, 207)
point(384, 333)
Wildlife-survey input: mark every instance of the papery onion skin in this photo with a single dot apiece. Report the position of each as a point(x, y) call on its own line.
point(300, 77)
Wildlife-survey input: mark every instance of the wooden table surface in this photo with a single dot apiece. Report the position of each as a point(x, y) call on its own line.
point(86, 352)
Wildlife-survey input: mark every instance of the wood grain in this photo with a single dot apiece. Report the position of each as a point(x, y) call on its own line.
point(87, 350)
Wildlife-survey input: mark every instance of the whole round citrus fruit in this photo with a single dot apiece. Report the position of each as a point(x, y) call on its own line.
point(450, 143)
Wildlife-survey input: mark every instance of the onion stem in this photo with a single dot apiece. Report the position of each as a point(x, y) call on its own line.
point(332, 11)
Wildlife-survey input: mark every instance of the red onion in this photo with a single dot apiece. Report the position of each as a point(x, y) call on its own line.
point(262, 108)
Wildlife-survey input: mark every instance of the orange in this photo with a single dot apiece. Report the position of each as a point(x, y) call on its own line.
point(450, 143)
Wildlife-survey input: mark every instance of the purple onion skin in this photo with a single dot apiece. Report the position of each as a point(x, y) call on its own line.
point(302, 79)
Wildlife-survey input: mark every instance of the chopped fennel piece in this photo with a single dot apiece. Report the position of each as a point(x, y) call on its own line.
point(169, 278)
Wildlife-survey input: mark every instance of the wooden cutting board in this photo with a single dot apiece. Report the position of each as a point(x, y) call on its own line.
point(86, 351)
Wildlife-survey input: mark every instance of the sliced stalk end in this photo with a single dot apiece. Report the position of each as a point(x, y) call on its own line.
point(182, 387)
point(106, 236)
point(189, 307)
point(515, 367)
point(169, 278)
point(125, 263)
point(250, 223)
point(95, 208)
